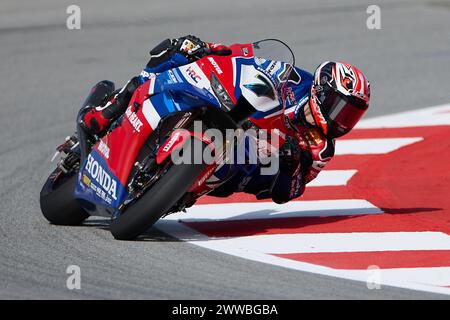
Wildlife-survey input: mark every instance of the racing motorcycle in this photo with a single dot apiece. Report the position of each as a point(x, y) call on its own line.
point(130, 174)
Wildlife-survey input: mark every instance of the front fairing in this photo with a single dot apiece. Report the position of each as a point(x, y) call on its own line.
point(257, 71)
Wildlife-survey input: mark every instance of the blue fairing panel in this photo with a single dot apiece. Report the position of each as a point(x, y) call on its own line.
point(97, 185)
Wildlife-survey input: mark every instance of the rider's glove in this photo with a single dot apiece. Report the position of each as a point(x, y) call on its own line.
point(290, 156)
point(219, 49)
point(192, 47)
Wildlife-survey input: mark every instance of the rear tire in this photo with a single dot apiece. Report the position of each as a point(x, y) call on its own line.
point(141, 215)
point(58, 204)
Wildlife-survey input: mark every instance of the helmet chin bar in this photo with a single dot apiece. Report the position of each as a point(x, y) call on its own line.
point(318, 116)
point(307, 117)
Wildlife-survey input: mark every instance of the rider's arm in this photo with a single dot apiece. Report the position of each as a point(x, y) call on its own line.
point(313, 153)
point(320, 152)
point(166, 55)
point(289, 183)
point(174, 53)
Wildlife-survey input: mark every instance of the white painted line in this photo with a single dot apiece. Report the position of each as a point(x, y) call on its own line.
point(332, 178)
point(372, 146)
point(436, 276)
point(267, 210)
point(439, 115)
point(181, 231)
point(340, 242)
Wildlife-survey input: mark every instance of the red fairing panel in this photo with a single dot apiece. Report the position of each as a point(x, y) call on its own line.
point(224, 66)
point(126, 141)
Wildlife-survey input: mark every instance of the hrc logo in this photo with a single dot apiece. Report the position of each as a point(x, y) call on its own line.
point(194, 76)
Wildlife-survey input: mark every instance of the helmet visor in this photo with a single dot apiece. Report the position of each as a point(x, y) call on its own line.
point(343, 112)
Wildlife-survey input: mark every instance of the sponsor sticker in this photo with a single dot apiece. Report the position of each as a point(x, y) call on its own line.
point(103, 149)
point(134, 120)
point(171, 142)
point(172, 76)
point(145, 74)
point(193, 74)
point(101, 181)
point(215, 65)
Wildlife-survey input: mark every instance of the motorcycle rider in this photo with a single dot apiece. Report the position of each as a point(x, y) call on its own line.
point(321, 108)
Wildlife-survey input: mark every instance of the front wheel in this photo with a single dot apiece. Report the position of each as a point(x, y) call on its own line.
point(58, 204)
point(157, 201)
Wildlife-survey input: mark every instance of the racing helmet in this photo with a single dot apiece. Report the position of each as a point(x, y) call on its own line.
point(340, 96)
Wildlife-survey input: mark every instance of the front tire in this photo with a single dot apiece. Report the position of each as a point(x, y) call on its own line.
point(141, 215)
point(58, 204)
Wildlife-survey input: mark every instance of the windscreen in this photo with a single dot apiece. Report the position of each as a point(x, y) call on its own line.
point(276, 50)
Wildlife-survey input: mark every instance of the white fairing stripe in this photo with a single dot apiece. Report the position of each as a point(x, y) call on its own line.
point(151, 115)
point(151, 88)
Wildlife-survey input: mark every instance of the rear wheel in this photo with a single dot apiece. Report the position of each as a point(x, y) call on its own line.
point(157, 201)
point(58, 204)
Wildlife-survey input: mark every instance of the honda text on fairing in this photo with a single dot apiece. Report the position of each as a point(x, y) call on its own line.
point(130, 174)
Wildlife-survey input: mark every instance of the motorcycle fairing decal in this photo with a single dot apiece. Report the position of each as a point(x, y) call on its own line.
point(177, 75)
point(103, 149)
point(194, 75)
point(273, 69)
point(238, 62)
point(296, 95)
point(294, 76)
point(97, 184)
point(183, 94)
point(151, 114)
point(151, 86)
point(252, 79)
point(263, 89)
point(225, 68)
point(121, 159)
point(169, 77)
point(174, 142)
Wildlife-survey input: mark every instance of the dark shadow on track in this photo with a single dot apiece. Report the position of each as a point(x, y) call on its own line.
point(234, 227)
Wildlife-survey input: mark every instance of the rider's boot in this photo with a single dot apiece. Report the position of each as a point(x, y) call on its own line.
point(97, 119)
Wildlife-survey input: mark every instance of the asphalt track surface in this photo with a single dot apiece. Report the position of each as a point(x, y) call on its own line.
point(47, 70)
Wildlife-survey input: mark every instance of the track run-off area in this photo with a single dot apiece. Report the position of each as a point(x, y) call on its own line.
point(378, 213)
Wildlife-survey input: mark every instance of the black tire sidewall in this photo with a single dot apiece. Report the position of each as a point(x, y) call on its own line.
point(58, 204)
